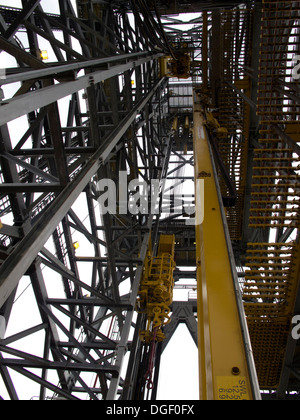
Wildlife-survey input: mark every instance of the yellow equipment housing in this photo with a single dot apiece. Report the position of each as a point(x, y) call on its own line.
point(156, 289)
point(214, 126)
point(181, 67)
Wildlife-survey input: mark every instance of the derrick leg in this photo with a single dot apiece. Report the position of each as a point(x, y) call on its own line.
point(226, 366)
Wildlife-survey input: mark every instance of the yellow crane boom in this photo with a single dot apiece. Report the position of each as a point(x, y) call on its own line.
point(225, 360)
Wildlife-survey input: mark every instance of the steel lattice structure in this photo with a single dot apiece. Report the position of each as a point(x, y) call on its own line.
point(101, 108)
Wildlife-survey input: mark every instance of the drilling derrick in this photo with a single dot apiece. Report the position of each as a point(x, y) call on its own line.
point(149, 167)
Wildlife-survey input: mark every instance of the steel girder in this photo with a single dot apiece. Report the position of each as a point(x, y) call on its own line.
point(175, 7)
point(94, 110)
point(84, 299)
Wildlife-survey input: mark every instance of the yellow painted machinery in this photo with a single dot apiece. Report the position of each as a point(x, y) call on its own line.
point(181, 67)
point(156, 290)
point(214, 126)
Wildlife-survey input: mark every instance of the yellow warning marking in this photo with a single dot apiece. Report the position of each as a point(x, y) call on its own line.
point(232, 388)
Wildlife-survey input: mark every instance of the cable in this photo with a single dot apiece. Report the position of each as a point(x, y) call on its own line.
point(17, 298)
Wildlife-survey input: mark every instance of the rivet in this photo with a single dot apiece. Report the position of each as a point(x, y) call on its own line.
point(235, 371)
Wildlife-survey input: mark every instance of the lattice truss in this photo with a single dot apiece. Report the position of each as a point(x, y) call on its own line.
point(95, 108)
point(273, 279)
point(258, 103)
point(99, 106)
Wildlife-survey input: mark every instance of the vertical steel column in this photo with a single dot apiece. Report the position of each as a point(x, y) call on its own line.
point(225, 358)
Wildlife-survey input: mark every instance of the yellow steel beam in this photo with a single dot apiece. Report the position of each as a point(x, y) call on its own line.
point(226, 364)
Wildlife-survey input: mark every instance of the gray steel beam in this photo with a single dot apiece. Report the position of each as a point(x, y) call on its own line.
point(58, 144)
point(21, 55)
point(60, 268)
point(36, 378)
point(123, 343)
point(122, 347)
point(35, 362)
point(35, 170)
point(24, 14)
point(118, 247)
point(23, 334)
point(52, 335)
point(182, 312)
point(10, 175)
point(23, 104)
point(27, 74)
point(18, 187)
point(107, 103)
point(8, 381)
point(25, 252)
